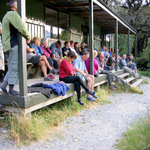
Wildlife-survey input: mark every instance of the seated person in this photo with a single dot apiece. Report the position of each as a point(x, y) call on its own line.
point(41, 60)
point(82, 48)
point(104, 50)
point(130, 63)
point(76, 47)
point(56, 51)
point(36, 46)
point(123, 65)
point(66, 49)
point(67, 74)
point(82, 72)
point(47, 52)
point(72, 47)
point(110, 62)
point(110, 76)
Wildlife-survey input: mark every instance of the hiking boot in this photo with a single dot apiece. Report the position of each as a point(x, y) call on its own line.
point(90, 92)
point(48, 79)
point(111, 87)
point(3, 91)
point(80, 102)
point(13, 93)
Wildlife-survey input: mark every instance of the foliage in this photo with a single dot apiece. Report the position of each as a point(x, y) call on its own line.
point(143, 60)
point(137, 137)
point(145, 73)
point(123, 43)
point(136, 13)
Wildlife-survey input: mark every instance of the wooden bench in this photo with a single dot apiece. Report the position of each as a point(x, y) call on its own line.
point(29, 67)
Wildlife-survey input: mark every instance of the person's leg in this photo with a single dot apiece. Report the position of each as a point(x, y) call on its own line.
point(92, 85)
point(49, 59)
point(109, 78)
point(43, 68)
point(135, 68)
point(43, 58)
point(55, 63)
point(72, 79)
point(11, 77)
point(128, 70)
point(76, 85)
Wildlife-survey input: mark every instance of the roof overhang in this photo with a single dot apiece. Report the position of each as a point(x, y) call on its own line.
point(103, 15)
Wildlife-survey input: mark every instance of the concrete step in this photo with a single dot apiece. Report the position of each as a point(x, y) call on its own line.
point(135, 84)
point(123, 75)
point(129, 79)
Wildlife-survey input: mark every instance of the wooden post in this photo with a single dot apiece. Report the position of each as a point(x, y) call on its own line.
point(128, 42)
point(116, 44)
point(91, 36)
point(135, 47)
point(22, 52)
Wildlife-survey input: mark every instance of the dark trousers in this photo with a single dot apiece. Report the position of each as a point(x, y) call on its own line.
point(53, 63)
point(77, 82)
point(110, 76)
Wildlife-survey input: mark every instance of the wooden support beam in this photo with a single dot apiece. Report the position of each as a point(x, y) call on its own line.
point(96, 15)
point(128, 41)
point(116, 45)
point(83, 11)
point(73, 5)
point(91, 36)
point(22, 52)
point(135, 47)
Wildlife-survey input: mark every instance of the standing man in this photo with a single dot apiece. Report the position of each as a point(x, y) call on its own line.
point(11, 25)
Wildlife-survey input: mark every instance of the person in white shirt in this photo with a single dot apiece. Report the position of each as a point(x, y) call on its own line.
point(72, 47)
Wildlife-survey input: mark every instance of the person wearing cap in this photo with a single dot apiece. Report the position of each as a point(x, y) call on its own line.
point(12, 24)
point(82, 72)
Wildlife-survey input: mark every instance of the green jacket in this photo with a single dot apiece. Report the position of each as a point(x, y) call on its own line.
point(11, 25)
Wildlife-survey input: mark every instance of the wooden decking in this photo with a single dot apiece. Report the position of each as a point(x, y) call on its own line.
point(35, 101)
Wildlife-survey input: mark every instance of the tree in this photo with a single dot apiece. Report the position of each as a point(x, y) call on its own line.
point(137, 14)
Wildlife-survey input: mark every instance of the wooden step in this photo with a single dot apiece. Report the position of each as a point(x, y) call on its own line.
point(135, 84)
point(123, 75)
point(129, 79)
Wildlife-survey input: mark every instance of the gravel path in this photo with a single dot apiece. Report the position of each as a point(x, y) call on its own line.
point(97, 128)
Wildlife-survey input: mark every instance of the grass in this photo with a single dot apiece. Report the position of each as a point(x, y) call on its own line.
point(137, 137)
point(44, 122)
point(144, 73)
point(145, 81)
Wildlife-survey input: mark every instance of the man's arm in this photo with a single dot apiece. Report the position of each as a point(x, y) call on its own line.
point(78, 70)
point(17, 22)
